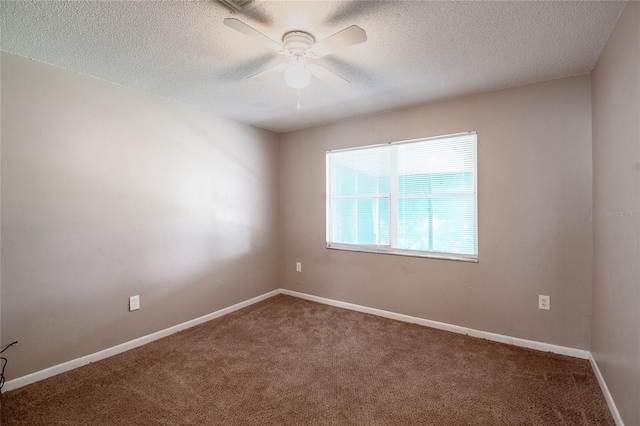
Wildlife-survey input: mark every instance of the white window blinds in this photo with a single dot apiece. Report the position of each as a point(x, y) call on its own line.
point(417, 197)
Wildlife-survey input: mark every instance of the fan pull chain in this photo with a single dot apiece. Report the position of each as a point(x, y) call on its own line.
point(298, 98)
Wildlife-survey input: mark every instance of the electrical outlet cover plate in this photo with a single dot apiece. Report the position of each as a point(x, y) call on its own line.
point(544, 302)
point(134, 303)
point(299, 266)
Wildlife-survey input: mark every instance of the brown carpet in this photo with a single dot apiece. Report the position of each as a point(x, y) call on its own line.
point(289, 361)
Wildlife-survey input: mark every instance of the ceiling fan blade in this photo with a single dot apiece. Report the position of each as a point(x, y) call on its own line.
point(268, 72)
point(348, 37)
point(332, 79)
point(254, 34)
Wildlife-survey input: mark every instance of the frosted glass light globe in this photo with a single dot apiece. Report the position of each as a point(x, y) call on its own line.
point(297, 76)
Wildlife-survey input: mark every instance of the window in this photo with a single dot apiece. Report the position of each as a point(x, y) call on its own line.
point(414, 197)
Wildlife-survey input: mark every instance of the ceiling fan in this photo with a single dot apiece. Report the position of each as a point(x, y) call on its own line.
point(300, 48)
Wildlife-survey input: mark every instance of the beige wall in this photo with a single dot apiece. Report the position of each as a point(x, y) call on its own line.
point(534, 159)
point(109, 193)
point(616, 185)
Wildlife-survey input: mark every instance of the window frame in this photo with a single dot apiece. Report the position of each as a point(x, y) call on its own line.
point(393, 205)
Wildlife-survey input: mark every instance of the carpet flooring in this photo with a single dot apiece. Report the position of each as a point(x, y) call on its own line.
point(288, 361)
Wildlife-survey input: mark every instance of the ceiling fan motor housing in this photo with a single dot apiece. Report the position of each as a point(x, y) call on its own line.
point(298, 41)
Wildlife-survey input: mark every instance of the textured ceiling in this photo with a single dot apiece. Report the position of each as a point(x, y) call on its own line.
point(416, 52)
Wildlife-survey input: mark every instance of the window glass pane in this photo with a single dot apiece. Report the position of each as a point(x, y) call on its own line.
point(442, 224)
point(344, 221)
point(344, 180)
point(436, 183)
point(361, 221)
point(361, 172)
point(415, 230)
point(384, 222)
point(452, 183)
point(368, 184)
point(437, 166)
point(454, 221)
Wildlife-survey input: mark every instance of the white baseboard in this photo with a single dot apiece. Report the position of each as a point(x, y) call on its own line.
point(79, 362)
point(531, 344)
point(97, 356)
point(605, 390)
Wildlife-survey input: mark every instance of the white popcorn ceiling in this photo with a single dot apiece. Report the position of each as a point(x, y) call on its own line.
point(416, 52)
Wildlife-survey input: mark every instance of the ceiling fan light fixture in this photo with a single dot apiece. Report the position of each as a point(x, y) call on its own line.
point(301, 47)
point(297, 76)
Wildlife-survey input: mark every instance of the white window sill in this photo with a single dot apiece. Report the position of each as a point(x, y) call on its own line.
point(400, 252)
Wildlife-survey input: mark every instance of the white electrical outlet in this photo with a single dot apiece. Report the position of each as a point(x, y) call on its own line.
point(298, 266)
point(134, 303)
point(544, 302)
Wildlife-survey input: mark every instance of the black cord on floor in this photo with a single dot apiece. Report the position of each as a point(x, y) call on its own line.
point(4, 364)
